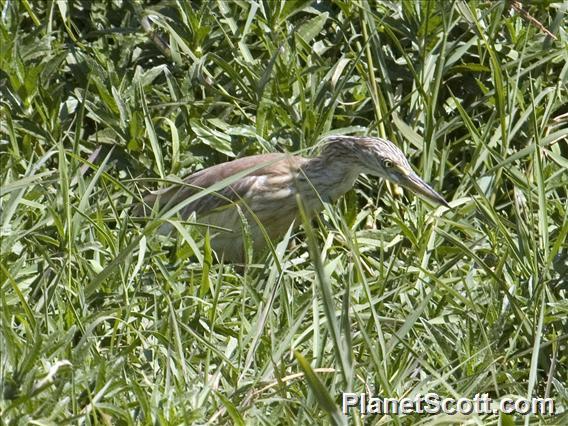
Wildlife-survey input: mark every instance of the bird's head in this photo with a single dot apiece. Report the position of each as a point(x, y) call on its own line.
point(380, 157)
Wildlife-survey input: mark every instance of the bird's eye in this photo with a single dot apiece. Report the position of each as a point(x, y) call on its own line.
point(387, 164)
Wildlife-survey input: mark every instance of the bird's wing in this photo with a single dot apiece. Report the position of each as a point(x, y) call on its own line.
point(260, 166)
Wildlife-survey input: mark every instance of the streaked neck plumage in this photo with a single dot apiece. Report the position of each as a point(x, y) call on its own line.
point(334, 171)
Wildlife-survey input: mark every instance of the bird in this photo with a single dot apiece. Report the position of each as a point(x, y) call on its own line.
point(269, 188)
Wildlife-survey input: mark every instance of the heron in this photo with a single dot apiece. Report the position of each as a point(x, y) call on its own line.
point(270, 188)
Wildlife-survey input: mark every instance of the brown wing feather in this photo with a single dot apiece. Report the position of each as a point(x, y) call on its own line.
point(273, 164)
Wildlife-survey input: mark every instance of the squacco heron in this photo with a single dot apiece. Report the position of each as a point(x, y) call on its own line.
point(268, 192)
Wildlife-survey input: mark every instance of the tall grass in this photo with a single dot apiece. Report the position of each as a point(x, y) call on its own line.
point(104, 321)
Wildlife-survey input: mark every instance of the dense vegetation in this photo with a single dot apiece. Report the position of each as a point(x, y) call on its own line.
point(102, 321)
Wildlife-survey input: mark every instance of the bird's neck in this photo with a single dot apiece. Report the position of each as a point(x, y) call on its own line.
point(331, 177)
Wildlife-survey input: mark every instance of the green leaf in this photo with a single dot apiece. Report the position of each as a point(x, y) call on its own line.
point(321, 393)
point(310, 29)
point(219, 141)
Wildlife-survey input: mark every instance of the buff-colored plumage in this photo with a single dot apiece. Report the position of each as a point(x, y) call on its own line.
point(267, 195)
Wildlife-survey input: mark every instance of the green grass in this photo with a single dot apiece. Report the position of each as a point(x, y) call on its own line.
point(103, 321)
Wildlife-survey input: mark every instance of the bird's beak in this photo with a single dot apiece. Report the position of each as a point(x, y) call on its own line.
point(414, 183)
